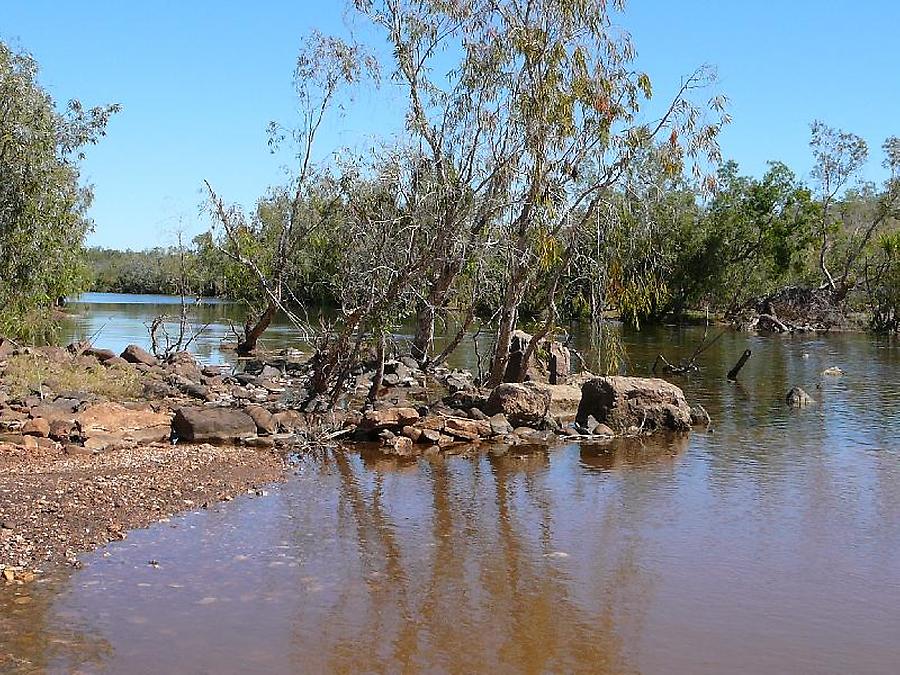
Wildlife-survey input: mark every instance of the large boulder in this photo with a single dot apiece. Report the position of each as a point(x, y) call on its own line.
point(106, 425)
point(213, 425)
point(523, 404)
point(623, 403)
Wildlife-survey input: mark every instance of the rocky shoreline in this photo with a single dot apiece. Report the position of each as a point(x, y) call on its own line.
point(93, 443)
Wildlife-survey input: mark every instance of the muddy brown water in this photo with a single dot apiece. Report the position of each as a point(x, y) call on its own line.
point(770, 545)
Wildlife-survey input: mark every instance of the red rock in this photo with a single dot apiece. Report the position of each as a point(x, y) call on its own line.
point(523, 404)
point(37, 426)
point(112, 424)
point(391, 417)
point(466, 430)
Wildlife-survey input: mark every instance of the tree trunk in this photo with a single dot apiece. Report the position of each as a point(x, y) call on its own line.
point(253, 331)
point(424, 336)
point(504, 338)
point(379, 371)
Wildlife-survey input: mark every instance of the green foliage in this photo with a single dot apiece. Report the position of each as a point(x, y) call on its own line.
point(42, 204)
point(882, 284)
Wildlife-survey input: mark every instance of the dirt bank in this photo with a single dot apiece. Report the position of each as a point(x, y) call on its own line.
point(54, 506)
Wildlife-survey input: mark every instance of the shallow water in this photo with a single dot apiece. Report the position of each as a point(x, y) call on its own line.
point(771, 544)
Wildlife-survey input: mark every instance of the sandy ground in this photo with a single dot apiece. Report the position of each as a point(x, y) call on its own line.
point(54, 506)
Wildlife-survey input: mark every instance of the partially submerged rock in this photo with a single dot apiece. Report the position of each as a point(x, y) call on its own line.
point(523, 404)
point(797, 398)
point(625, 404)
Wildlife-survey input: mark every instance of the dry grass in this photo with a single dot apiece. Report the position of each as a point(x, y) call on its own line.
point(37, 373)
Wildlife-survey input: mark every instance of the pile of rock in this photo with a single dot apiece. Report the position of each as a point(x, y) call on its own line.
point(177, 399)
point(268, 402)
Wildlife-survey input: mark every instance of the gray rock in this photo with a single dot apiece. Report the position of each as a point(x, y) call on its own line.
point(560, 363)
point(797, 398)
point(699, 416)
point(623, 403)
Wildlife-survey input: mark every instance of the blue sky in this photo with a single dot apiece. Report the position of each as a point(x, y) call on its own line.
point(199, 81)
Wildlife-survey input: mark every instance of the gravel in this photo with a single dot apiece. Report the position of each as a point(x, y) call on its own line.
point(54, 506)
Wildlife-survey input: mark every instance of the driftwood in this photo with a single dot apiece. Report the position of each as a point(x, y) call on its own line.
point(733, 373)
point(688, 365)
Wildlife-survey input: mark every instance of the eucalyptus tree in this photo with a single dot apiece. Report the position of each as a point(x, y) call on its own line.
point(43, 206)
point(569, 90)
point(529, 111)
point(852, 218)
point(285, 224)
point(464, 157)
point(838, 157)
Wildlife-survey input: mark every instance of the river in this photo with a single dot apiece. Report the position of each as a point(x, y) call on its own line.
point(770, 544)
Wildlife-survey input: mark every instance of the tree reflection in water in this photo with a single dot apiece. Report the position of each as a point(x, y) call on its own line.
point(461, 571)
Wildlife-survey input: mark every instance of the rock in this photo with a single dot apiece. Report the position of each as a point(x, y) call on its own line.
point(518, 344)
point(75, 450)
point(466, 430)
point(62, 429)
point(153, 389)
point(102, 355)
point(648, 404)
point(213, 425)
point(6, 348)
point(400, 445)
point(468, 398)
point(522, 404)
point(500, 426)
point(390, 380)
point(412, 433)
point(37, 426)
point(115, 361)
point(432, 436)
point(185, 365)
point(269, 373)
point(602, 430)
point(107, 425)
point(60, 409)
point(135, 354)
point(13, 438)
point(477, 414)
point(410, 363)
point(560, 363)
point(834, 371)
point(699, 416)
point(797, 398)
point(191, 388)
point(391, 417)
point(288, 420)
point(264, 420)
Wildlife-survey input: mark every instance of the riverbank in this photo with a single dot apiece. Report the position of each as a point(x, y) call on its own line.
point(54, 506)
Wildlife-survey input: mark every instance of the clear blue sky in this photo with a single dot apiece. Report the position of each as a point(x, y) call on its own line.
point(200, 80)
